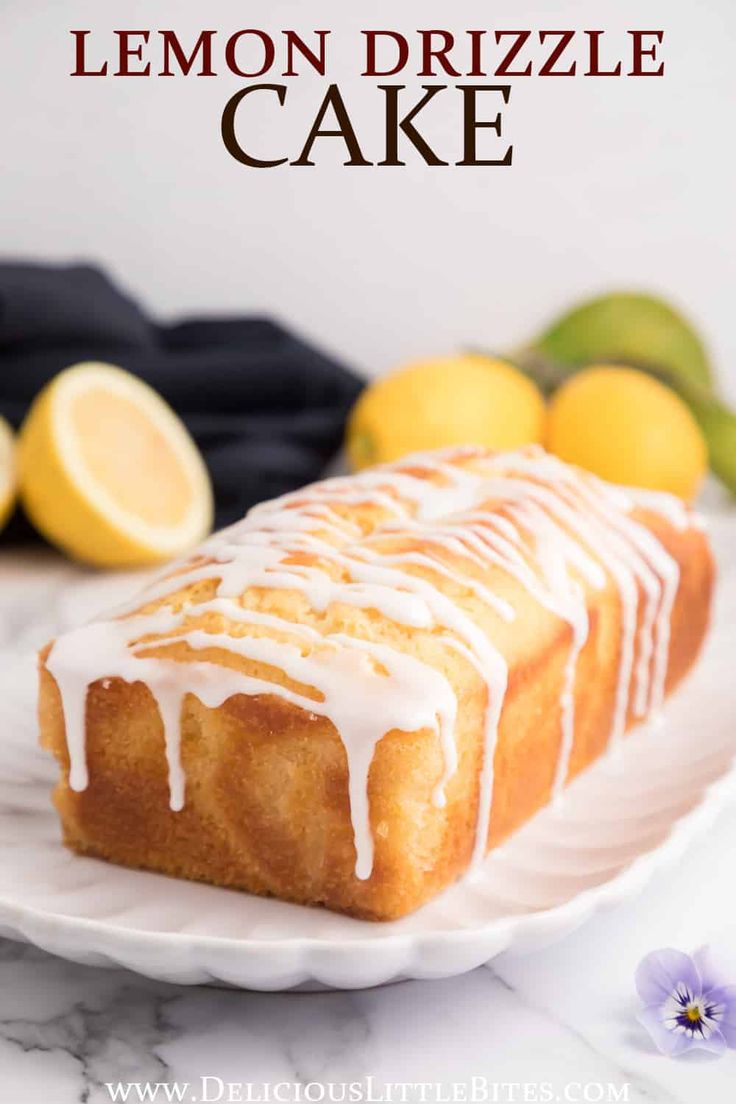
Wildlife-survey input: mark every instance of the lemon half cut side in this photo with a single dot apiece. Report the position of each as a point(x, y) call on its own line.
point(8, 477)
point(109, 473)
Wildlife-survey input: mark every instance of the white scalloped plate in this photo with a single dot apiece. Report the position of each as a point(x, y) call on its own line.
point(619, 822)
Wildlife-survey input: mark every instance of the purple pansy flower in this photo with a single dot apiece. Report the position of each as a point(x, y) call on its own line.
point(685, 1005)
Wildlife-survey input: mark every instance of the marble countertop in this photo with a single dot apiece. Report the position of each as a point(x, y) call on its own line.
point(558, 1024)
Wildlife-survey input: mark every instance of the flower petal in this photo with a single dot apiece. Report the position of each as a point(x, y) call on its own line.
point(724, 1000)
point(710, 976)
point(667, 1042)
point(715, 1043)
point(674, 1043)
point(661, 973)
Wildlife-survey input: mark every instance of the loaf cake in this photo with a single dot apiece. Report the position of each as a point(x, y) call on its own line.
point(350, 696)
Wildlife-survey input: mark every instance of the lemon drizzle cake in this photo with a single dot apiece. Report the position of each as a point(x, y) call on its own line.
point(457, 546)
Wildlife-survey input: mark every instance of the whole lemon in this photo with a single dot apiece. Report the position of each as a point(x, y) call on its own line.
point(629, 428)
point(460, 400)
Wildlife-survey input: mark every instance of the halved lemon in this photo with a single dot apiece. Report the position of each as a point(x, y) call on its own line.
point(109, 473)
point(8, 480)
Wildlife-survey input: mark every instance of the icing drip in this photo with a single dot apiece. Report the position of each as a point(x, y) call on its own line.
point(408, 541)
point(409, 696)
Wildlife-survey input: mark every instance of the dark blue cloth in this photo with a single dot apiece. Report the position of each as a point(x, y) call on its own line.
point(266, 408)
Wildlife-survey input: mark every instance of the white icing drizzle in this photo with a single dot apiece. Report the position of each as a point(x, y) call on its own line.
point(548, 528)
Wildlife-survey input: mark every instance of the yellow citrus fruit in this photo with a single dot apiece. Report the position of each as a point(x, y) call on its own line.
point(109, 473)
point(461, 400)
point(627, 427)
point(8, 480)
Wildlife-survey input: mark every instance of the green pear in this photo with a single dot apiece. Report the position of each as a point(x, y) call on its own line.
point(628, 328)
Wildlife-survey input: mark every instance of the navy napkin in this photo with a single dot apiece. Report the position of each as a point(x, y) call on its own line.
point(266, 408)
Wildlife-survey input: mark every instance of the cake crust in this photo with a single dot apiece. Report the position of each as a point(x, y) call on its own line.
point(268, 802)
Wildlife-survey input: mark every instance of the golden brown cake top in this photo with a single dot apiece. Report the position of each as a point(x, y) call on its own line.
point(346, 599)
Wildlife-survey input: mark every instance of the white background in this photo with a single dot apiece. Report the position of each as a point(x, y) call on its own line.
point(615, 183)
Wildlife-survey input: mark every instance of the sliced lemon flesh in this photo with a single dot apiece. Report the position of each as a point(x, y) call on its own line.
point(109, 473)
point(8, 480)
